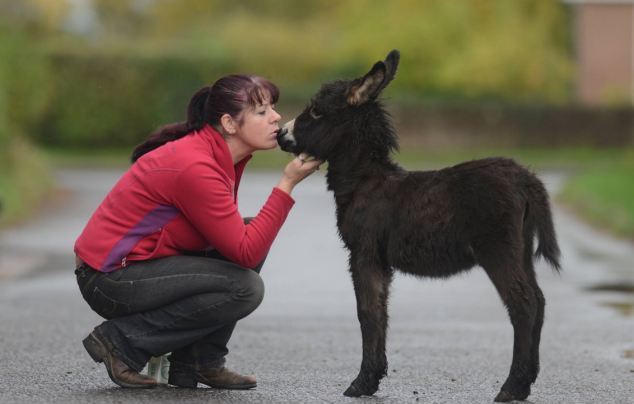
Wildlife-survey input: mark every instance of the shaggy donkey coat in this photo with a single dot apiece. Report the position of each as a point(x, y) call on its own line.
point(426, 223)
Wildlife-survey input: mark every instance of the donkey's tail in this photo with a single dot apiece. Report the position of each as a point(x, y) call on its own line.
point(540, 218)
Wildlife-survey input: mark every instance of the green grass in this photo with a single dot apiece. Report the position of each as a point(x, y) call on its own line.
point(604, 196)
point(78, 158)
point(25, 181)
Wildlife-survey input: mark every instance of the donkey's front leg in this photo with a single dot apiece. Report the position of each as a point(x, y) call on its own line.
point(371, 286)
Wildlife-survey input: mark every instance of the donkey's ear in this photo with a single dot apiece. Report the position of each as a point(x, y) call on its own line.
point(376, 80)
point(361, 90)
point(391, 65)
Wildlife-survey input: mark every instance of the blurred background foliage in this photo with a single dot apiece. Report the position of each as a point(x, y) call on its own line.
point(101, 74)
point(119, 68)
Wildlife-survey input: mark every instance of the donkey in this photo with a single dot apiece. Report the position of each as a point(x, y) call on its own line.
point(426, 223)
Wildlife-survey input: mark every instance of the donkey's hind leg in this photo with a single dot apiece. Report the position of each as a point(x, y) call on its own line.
point(537, 331)
point(541, 303)
point(519, 297)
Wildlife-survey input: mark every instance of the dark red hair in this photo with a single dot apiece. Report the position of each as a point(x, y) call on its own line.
point(232, 94)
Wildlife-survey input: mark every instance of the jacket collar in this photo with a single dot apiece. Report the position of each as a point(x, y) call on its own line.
point(222, 155)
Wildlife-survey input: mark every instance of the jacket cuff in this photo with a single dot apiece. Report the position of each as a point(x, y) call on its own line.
point(286, 197)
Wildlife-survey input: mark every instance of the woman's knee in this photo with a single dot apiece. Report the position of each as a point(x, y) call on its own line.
point(250, 291)
point(243, 295)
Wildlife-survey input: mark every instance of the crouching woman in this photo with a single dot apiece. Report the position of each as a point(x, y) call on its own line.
point(167, 259)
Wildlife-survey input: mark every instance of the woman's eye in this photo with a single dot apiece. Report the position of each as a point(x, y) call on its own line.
point(313, 113)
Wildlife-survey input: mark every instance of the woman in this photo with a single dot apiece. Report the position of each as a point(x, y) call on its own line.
point(166, 257)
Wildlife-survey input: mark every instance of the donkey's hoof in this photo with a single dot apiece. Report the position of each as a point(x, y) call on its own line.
point(358, 390)
point(505, 396)
point(353, 391)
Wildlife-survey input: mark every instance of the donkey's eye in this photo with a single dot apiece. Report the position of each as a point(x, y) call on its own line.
point(313, 113)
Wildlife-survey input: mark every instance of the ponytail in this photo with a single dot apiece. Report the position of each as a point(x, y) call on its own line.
point(196, 110)
point(195, 121)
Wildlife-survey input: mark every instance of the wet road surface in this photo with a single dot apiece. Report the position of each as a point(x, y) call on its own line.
point(448, 342)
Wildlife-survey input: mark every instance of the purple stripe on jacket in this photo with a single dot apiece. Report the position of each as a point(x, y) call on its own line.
point(151, 223)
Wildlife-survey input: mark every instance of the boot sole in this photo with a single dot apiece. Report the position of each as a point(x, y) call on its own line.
point(188, 380)
point(234, 387)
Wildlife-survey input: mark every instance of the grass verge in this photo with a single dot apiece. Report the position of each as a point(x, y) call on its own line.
point(604, 196)
point(24, 182)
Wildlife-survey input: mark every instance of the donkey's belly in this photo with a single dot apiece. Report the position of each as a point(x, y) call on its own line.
point(435, 263)
point(433, 271)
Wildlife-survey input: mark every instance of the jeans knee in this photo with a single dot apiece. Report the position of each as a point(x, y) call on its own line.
point(250, 291)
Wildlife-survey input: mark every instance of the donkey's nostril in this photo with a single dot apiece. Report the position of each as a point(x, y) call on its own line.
point(281, 132)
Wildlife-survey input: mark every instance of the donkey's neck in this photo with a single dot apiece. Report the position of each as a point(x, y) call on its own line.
point(347, 173)
point(364, 154)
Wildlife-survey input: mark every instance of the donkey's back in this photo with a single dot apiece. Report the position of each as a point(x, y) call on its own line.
point(447, 221)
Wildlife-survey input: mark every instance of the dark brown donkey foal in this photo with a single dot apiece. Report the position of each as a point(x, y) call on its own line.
point(426, 223)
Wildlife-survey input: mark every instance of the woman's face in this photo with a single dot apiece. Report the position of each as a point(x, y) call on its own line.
point(259, 127)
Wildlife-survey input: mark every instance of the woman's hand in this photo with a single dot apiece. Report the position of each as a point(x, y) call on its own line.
point(296, 170)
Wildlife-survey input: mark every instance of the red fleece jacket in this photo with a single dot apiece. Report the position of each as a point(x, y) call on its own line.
point(180, 197)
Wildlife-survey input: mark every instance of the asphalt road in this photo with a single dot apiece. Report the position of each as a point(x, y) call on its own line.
point(449, 341)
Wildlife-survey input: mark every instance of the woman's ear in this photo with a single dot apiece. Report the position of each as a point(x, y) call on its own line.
point(228, 124)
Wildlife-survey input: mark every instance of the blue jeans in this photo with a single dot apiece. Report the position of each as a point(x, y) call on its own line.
point(187, 305)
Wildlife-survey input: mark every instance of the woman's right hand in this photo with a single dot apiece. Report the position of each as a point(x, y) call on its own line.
point(296, 170)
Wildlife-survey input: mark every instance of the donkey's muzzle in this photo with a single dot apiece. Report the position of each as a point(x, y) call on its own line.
point(286, 140)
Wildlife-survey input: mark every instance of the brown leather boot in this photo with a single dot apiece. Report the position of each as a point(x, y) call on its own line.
point(119, 372)
point(219, 378)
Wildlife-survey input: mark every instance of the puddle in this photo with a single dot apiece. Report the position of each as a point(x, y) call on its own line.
point(617, 262)
point(592, 254)
point(623, 307)
point(612, 287)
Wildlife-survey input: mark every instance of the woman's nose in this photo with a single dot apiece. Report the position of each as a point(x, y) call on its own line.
point(276, 117)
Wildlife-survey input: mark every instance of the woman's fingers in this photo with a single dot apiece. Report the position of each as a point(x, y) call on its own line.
point(303, 157)
point(312, 164)
point(307, 163)
point(301, 167)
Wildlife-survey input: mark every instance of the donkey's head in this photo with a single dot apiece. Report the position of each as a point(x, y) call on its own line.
point(344, 116)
